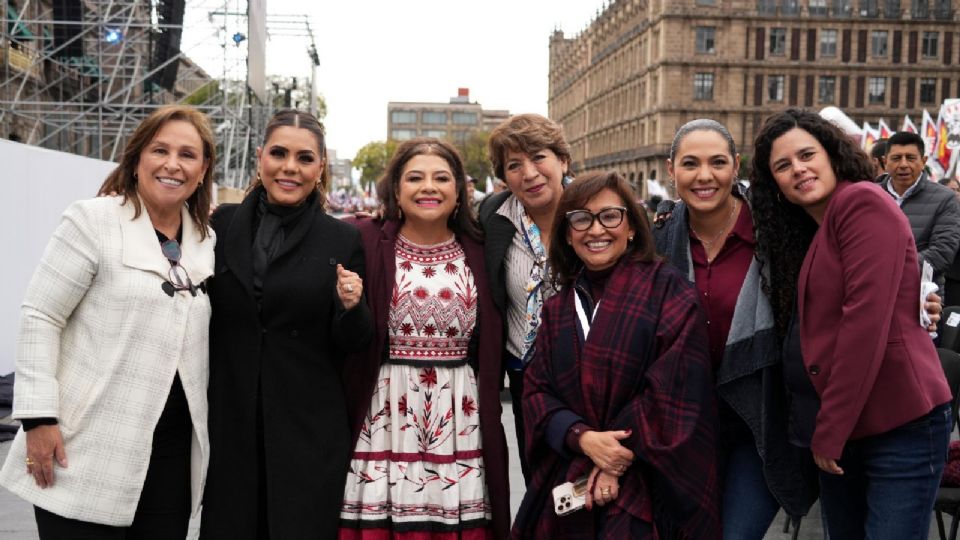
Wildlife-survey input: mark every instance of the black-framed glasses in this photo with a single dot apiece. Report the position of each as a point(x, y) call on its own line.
point(177, 277)
point(610, 218)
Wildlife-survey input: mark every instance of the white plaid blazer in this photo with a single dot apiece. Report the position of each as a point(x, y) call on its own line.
point(98, 348)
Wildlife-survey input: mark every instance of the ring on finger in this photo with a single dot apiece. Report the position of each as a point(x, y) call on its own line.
point(348, 287)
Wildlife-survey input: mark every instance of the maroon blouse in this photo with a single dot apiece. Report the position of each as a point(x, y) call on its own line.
point(719, 282)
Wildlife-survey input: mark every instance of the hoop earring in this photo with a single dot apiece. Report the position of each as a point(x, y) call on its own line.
point(399, 213)
point(259, 180)
point(779, 197)
point(456, 210)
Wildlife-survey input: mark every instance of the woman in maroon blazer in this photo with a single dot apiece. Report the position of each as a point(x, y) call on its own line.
point(429, 454)
point(842, 257)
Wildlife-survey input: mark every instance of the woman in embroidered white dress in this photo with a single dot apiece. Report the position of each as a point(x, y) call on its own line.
point(429, 456)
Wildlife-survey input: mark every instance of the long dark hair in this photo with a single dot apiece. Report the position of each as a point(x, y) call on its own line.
point(564, 262)
point(784, 230)
point(123, 180)
point(461, 221)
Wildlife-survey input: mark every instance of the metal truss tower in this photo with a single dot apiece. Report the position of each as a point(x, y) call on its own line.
point(79, 75)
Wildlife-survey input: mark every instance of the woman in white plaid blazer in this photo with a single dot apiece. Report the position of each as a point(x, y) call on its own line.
point(111, 374)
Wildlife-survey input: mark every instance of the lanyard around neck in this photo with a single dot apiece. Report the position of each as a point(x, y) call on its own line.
point(585, 322)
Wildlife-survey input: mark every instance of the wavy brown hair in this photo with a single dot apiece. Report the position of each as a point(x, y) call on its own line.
point(528, 133)
point(784, 230)
point(123, 181)
point(564, 262)
point(462, 220)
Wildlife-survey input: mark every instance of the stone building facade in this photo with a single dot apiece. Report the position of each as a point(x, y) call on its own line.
point(642, 68)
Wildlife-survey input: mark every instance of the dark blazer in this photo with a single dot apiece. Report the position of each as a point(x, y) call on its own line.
point(379, 243)
point(498, 233)
point(284, 351)
point(871, 363)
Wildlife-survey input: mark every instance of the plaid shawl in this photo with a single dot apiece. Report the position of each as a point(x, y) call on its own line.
point(645, 367)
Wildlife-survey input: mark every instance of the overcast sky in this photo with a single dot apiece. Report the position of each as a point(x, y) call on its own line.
point(375, 51)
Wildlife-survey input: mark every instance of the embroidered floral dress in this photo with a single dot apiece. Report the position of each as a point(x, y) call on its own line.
point(417, 470)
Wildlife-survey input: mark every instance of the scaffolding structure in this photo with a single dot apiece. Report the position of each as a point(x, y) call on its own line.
point(79, 75)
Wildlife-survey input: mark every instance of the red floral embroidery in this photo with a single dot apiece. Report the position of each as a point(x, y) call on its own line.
point(421, 293)
point(428, 377)
point(450, 268)
point(406, 328)
point(429, 272)
point(402, 405)
point(469, 406)
point(406, 266)
point(452, 331)
point(429, 330)
point(445, 294)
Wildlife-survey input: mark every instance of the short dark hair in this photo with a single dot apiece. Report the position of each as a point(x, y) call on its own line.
point(462, 220)
point(564, 262)
point(879, 150)
point(906, 138)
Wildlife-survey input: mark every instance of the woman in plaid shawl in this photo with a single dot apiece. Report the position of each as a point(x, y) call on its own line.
point(630, 403)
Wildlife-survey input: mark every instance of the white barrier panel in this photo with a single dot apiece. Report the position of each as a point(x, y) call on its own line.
point(39, 185)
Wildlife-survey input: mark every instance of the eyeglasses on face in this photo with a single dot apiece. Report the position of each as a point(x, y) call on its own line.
point(610, 218)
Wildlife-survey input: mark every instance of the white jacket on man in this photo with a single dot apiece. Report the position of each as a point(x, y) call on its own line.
point(98, 348)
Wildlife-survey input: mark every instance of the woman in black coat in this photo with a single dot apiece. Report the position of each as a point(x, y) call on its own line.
point(287, 307)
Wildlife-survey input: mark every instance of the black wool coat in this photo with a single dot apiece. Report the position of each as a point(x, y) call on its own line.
point(288, 348)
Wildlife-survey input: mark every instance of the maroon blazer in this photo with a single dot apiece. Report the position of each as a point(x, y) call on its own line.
point(872, 364)
point(360, 374)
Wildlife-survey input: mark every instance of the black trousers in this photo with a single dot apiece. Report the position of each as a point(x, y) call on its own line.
point(515, 376)
point(163, 512)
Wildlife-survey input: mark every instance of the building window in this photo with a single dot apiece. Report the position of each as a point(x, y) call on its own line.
point(706, 39)
point(775, 87)
point(842, 8)
point(435, 133)
point(930, 40)
point(433, 117)
point(943, 10)
point(403, 117)
point(828, 42)
point(402, 134)
point(869, 8)
point(878, 42)
point(928, 90)
point(919, 9)
point(828, 89)
point(706, 2)
point(778, 41)
point(791, 7)
point(767, 7)
point(465, 118)
point(892, 9)
point(877, 87)
point(817, 7)
point(703, 86)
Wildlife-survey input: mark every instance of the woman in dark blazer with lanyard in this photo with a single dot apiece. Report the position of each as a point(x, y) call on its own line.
point(287, 308)
point(842, 255)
